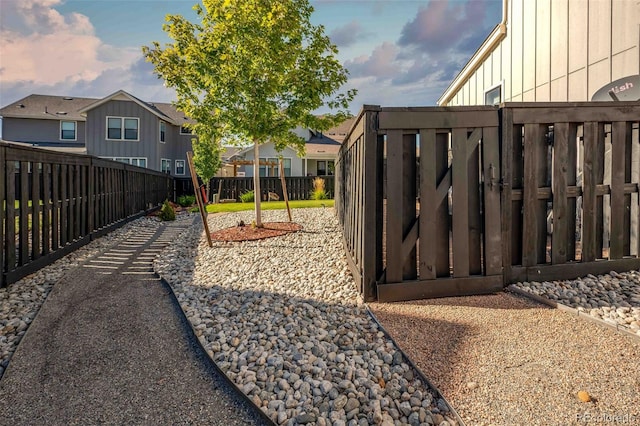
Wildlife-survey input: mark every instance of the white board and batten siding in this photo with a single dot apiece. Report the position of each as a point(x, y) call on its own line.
point(558, 51)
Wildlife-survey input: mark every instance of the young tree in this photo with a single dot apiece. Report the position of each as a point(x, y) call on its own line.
point(206, 159)
point(257, 67)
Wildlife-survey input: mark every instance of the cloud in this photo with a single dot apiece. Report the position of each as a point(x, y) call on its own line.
point(45, 51)
point(347, 34)
point(444, 25)
point(380, 64)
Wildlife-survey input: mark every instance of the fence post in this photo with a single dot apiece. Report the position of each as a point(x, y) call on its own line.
point(372, 182)
point(3, 171)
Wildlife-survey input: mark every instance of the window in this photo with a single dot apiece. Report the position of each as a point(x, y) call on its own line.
point(179, 167)
point(325, 168)
point(493, 96)
point(185, 130)
point(274, 170)
point(163, 131)
point(68, 130)
point(140, 162)
point(165, 165)
point(121, 128)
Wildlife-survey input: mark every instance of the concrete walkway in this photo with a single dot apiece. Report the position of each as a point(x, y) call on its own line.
point(111, 346)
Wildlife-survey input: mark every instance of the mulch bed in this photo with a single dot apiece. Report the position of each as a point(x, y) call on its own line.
point(250, 233)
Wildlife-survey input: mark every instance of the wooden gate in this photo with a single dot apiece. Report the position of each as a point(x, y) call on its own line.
point(442, 230)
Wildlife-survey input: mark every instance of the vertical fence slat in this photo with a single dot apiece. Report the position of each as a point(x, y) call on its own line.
point(628, 159)
point(460, 225)
point(428, 207)
point(36, 229)
point(443, 219)
point(10, 233)
point(571, 178)
point(475, 223)
point(492, 219)
point(70, 195)
point(560, 233)
point(55, 213)
point(394, 206)
point(618, 172)
point(64, 213)
point(530, 249)
point(24, 213)
point(589, 182)
point(84, 207)
point(78, 202)
point(409, 195)
point(3, 208)
point(46, 208)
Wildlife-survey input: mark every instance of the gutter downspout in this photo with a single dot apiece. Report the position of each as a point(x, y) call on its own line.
point(490, 43)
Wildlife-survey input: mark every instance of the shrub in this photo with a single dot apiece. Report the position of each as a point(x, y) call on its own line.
point(318, 193)
point(247, 197)
point(167, 212)
point(186, 200)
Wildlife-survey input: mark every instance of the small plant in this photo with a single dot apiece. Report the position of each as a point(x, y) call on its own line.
point(167, 212)
point(319, 193)
point(247, 197)
point(186, 200)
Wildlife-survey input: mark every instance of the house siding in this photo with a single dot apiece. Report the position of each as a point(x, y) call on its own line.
point(268, 150)
point(148, 133)
point(39, 131)
point(558, 50)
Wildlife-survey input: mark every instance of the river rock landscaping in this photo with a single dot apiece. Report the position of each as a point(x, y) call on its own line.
point(283, 319)
point(613, 297)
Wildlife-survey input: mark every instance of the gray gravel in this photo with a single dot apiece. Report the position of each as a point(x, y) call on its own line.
point(613, 297)
point(283, 319)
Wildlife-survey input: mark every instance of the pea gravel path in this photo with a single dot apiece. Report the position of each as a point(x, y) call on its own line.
point(505, 360)
point(111, 346)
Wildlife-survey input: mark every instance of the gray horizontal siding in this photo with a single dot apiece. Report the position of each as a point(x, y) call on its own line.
point(38, 131)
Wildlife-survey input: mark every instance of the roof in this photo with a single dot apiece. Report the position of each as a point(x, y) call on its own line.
point(322, 148)
point(47, 107)
point(121, 95)
point(339, 132)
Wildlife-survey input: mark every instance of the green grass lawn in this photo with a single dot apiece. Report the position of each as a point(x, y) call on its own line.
point(267, 205)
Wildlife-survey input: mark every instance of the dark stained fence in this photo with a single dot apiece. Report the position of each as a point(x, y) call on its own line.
point(53, 203)
point(452, 201)
point(570, 198)
point(298, 188)
point(359, 199)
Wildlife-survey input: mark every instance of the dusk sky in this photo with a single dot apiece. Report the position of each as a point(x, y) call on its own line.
point(398, 52)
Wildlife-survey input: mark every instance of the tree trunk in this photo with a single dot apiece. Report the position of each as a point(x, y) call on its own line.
point(208, 192)
point(256, 183)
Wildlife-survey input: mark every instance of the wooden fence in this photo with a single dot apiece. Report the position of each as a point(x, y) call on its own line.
point(452, 201)
point(53, 203)
point(298, 188)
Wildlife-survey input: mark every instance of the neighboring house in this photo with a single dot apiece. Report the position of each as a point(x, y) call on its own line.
point(321, 150)
point(119, 127)
point(46, 121)
point(553, 50)
point(124, 128)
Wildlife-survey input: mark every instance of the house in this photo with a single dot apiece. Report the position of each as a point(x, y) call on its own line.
point(321, 150)
point(119, 127)
point(554, 50)
point(46, 121)
point(124, 128)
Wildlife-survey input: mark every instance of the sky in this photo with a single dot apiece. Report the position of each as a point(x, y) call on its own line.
point(397, 52)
